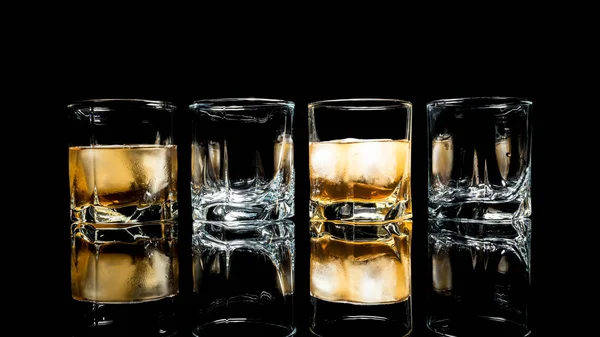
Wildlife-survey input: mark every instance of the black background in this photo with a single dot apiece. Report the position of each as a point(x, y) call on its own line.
point(119, 74)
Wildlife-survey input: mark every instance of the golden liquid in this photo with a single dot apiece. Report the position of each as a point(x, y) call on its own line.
point(122, 272)
point(354, 170)
point(376, 271)
point(119, 176)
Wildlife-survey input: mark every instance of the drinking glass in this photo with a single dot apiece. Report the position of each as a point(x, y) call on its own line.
point(123, 191)
point(479, 158)
point(360, 210)
point(242, 159)
point(122, 161)
point(359, 159)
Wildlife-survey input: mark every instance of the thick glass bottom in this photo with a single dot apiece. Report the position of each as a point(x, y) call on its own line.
point(345, 319)
point(229, 211)
point(360, 211)
point(243, 327)
point(476, 326)
point(479, 210)
point(148, 319)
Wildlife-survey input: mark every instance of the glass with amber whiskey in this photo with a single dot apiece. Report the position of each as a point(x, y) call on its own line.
point(123, 192)
point(360, 216)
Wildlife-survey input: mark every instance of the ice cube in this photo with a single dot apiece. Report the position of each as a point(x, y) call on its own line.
point(327, 161)
point(109, 278)
point(112, 169)
point(328, 279)
point(155, 169)
point(377, 280)
point(379, 162)
point(153, 273)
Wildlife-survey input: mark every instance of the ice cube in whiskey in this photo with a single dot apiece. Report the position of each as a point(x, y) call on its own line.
point(123, 183)
point(354, 179)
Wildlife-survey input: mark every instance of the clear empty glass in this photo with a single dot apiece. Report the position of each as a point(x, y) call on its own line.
point(480, 277)
point(243, 274)
point(479, 158)
point(242, 159)
point(359, 159)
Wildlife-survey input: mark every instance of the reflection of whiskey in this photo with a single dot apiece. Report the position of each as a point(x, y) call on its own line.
point(207, 163)
point(361, 270)
point(120, 176)
point(443, 161)
point(503, 155)
point(354, 170)
point(129, 269)
point(283, 154)
point(442, 158)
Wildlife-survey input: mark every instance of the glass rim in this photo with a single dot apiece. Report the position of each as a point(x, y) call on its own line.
point(113, 102)
point(373, 104)
point(481, 102)
point(239, 104)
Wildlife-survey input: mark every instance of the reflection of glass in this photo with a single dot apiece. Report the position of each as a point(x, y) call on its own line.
point(123, 188)
point(124, 263)
point(360, 172)
point(243, 275)
point(480, 277)
point(372, 267)
point(479, 158)
point(360, 274)
point(242, 159)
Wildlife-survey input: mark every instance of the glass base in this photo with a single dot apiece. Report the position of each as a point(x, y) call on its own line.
point(345, 319)
point(242, 327)
point(148, 319)
point(243, 211)
point(477, 326)
point(513, 209)
point(357, 211)
point(132, 214)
